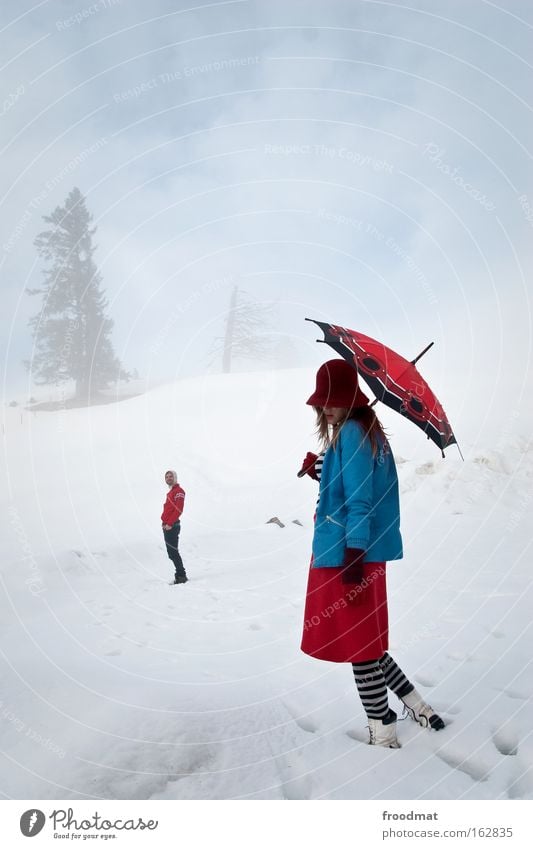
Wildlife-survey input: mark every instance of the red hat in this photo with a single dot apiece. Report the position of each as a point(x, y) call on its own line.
point(337, 385)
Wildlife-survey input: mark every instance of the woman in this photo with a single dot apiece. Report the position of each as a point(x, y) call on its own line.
point(357, 529)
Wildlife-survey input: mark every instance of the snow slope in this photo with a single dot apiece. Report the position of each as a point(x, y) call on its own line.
point(117, 685)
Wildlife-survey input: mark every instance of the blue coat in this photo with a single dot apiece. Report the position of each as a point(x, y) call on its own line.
point(359, 503)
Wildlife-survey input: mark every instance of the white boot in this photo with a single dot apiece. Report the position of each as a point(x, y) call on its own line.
point(421, 712)
point(383, 732)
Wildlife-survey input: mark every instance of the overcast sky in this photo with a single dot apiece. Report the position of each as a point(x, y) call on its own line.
point(363, 162)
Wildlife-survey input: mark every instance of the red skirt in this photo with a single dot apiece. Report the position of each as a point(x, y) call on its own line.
point(343, 622)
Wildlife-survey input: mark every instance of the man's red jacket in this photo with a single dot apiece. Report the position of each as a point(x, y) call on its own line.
point(173, 506)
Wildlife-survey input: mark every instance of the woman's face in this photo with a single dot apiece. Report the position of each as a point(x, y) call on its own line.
point(334, 414)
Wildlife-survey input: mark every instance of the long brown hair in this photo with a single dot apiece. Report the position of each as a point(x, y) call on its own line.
point(365, 416)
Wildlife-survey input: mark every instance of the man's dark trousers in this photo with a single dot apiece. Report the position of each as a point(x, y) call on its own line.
point(171, 542)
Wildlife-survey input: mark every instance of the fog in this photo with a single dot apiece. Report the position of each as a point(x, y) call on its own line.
point(364, 163)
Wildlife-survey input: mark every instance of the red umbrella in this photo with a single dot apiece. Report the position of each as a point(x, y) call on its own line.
point(393, 380)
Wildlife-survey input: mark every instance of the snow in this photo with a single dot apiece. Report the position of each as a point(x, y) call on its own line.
point(118, 685)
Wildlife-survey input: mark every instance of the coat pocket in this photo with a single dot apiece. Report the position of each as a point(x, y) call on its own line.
point(335, 522)
point(329, 542)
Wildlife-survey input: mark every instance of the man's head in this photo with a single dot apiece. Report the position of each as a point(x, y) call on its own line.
point(171, 477)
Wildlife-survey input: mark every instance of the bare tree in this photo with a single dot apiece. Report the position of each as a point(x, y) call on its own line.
point(246, 334)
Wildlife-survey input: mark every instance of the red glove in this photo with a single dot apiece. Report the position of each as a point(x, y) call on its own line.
point(308, 466)
point(352, 566)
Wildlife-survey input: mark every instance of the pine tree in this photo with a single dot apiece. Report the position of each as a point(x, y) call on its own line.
point(244, 335)
point(72, 332)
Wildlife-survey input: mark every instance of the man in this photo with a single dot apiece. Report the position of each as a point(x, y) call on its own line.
point(170, 517)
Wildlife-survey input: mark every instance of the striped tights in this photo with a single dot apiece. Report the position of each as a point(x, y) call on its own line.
point(372, 679)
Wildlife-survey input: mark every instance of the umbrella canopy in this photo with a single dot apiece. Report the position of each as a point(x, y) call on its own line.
point(393, 380)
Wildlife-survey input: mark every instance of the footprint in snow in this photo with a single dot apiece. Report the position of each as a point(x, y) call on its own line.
point(306, 724)
point(425, 681)
point(296, 788)
point(521, 787)
point(459, 657)
point(505, 740)
point(515, 694)
point(112, 653)
point(471, 766)
point(302, 721)
point(425, 469)
point(255, 626)
point(358, 736)
point(442, 707)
